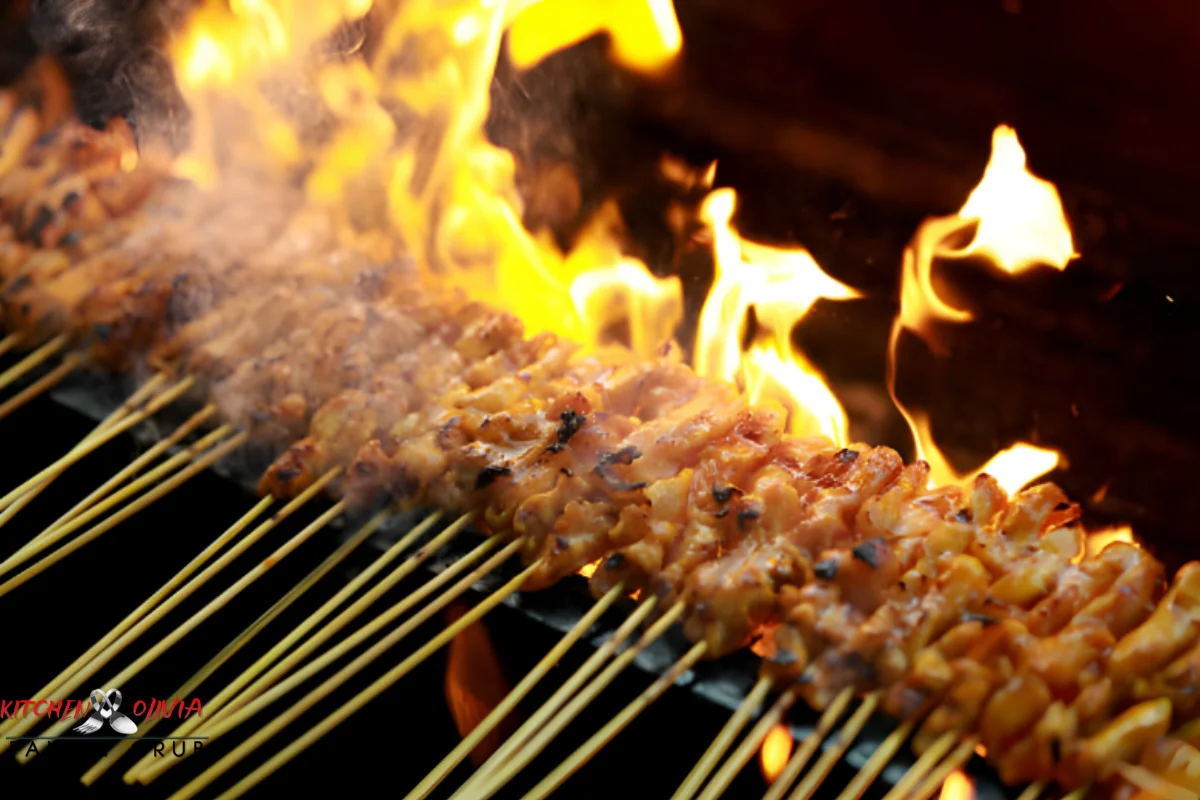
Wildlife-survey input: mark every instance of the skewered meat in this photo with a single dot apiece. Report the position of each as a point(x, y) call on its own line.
point(979, 611)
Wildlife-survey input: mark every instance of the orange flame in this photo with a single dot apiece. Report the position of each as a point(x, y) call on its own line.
point(475, 684)
point(775, 752)
point(958, 787)
point(780, 287)
point(1098, 540)
point(1019, 223)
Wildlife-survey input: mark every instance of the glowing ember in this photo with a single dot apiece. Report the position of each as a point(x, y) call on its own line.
point(958, 787)
point(587, 570)
point(1020, 223)
point(644, 34)
point(781, 287)
point(775, 752)
point(1098, 540)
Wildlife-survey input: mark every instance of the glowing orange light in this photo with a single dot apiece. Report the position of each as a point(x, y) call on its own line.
point(781, 287)
point(775, 752)
point(645, 34)
point(1098, 540)
point(587, 570)
point(958, 787)
point(1019, 223)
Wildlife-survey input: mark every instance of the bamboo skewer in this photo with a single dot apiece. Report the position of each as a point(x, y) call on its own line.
point(1154, 784)
point(879, 759)
point(103, 433)
point(695, 779)
point(192, 585)
point(500, 712)
point(961, 755)
point(53, 535)
point(351, 669)
point(749, 745)
point(135, 466)
point(68, 365)
point(10, 341)
point(846, 736)
point(138, 613)
point(809, 746)
point(252, 707)
point(606, 734)
point(198, 466)
point(564, 693)
point(244, 638)
point(232, 697)
point(31, 361)
point(538, 743)
point(921, 767)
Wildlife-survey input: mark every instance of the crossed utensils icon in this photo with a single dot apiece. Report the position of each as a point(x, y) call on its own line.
point(106, 705)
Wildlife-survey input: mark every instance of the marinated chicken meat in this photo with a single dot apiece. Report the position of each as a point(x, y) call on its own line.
point(980, 612)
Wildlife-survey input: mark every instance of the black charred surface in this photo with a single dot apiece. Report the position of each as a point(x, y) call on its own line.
point(572, 422)
point(826, 570)
point(870, 551)
point(489, 474)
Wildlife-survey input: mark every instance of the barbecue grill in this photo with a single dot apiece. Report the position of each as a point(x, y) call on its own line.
point(847, 751)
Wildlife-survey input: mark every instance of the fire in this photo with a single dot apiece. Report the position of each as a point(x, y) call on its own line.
point(1019, 223)
point(588, 570)
point(780, 287)
point(1098, 540)
point(644, 34)
point(775, 752)
point(958, 787)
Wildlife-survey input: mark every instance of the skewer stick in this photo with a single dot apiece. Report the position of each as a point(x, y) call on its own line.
point(500, 712)
point(68, 365)
point(134, 400)
point(918, 770)
point(811, 782)
point(879, 759)
point(347, 672)
point(244, 638)
point(961, 755)
point(135, 466)
point(1154, 784)
point(31, 361)
point(518, 762)
point(49, 689)
point(809, 746)
point(564, 693)
point(1033, 791)
point(10, 341)
point(229, 699)
point(746, 749)
point(231, 721)
point(198, 466)
point(53, 535)
point(102, 434)
point(175, 599)
point(606, 734)
point(695, 779)
point(1078, 794)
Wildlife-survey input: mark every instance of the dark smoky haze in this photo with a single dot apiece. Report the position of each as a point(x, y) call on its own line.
point(839, 136)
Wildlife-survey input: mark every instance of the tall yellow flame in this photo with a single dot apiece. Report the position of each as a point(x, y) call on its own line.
point(781, 287)
point(1019, 223)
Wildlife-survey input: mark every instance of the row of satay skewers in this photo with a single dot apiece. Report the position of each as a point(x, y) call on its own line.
point(977, 619)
